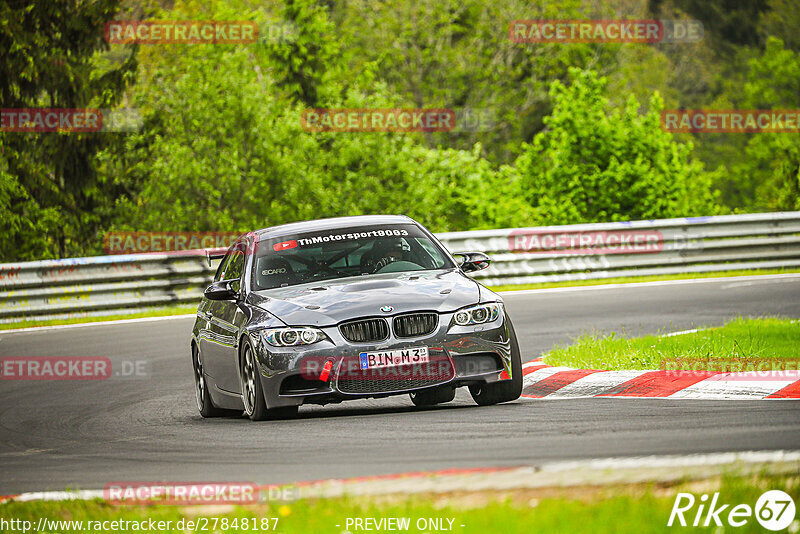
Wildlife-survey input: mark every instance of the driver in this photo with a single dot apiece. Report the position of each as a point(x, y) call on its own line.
point(384, 252)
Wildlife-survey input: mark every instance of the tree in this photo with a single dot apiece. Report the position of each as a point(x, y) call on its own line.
point(771, 165)
point(458, 54)
point(729, 22)
point(51, 188)
point(307, 62)
point(593, 164)
point(228, 152)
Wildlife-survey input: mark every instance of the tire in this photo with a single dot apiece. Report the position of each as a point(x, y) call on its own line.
point(432, 396)
point(255, 407)
point(505, 390)
point(204, 403)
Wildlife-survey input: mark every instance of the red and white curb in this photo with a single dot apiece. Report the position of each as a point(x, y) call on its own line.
point(542, 381)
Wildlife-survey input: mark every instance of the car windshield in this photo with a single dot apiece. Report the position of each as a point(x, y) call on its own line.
point(344, 252)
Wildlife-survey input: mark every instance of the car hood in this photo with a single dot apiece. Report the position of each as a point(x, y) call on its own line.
point(331, 302)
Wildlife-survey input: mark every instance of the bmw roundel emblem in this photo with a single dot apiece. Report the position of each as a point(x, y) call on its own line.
point(386, 309)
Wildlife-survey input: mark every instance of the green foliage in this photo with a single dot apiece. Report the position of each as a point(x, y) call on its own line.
point(771, 165)
point(757, 168)
point(306, 63)
point(457, 54)
point(228, 150)
point(729, 22)
point(50, 189)
point(591, 164)
point(222, 147)
point(781, 21)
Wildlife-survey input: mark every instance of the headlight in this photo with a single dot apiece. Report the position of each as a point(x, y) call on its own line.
point(482, 313)
point(292, 337)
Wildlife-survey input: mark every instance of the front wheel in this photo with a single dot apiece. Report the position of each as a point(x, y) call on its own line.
point(253, 394)
point(505, 390)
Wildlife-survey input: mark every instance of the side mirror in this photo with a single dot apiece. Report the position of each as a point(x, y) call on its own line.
point(221, 290)
point(472, 261)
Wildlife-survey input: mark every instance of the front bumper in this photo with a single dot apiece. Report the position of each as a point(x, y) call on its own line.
point(460, 355)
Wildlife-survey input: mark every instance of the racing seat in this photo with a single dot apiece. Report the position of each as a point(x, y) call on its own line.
point(274, 271)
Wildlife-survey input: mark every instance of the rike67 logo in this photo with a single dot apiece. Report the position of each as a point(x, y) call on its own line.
point(774, 510)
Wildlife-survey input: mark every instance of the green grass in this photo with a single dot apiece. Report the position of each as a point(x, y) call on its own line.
point(630, 508)
point(764, 338)
point(635, 279)
point(155, 312)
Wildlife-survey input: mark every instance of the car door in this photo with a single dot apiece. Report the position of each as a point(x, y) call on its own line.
point(209, 337)
point(228, 318)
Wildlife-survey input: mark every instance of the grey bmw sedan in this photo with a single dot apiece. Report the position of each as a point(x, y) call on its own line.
point(329, 310)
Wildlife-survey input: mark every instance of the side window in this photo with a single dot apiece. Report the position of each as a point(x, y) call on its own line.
point(221, 267)
point(232, 264)
point(235, 267)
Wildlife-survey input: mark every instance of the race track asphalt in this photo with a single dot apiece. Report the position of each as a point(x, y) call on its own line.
point(59, 434)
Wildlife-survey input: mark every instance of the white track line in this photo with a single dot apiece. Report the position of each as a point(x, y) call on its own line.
point(682, 332)
point(82, 495)
point(94, 323)
point(638, 462)
point(568, 289)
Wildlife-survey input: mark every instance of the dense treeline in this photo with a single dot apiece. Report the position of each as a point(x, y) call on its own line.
point(574, 134)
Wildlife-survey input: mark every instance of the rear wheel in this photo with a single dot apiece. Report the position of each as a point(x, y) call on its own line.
point(204, 403)
point(429, 397)
point(253, 394)
point(504, 390)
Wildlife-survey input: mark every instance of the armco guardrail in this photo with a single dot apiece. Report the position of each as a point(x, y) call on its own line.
point(100, 285)
point(669, 246)
point(110, 284)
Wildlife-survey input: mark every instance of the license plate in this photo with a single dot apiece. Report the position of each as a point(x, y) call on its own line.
point(393, 358)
